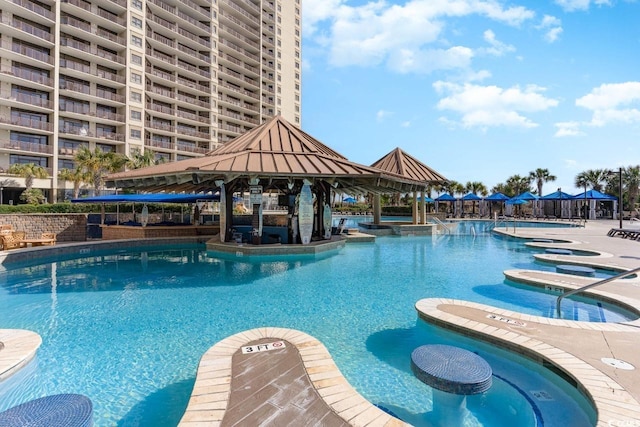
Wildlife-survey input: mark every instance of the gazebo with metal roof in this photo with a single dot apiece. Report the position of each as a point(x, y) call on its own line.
point(400, 163)
point(274, 156)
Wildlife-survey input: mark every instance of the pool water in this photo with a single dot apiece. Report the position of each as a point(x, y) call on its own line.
point(128, 328)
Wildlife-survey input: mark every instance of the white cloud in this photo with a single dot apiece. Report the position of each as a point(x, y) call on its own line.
point(399, 35)
point(497, 48)
point(382, 114)
point(568, 129)
point(552, 27)
point(573, 5)
point(613, 103)
point(492, 106)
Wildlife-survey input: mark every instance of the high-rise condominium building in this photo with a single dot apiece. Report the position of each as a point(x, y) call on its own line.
point(177, 77)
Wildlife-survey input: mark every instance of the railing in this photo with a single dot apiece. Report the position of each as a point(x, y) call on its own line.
point(28, 52)
point(442, 224)
point(29, 75)
point(35, 8)
point(26, 146)
point(25, 122)
point(29, 99)
point(592, 285)
point(30, 29)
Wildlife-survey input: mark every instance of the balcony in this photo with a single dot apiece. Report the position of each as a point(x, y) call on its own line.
point(32, 100)
point(238, 90)
point(252, 31)
point(167, 145)
point(237, 9)
point(237, 116)
point(26, 28)
point(30, 147)
point(35, 8)
point(91, 29)
point(25, 74)
point(28, 123)
point(193, 101)
point(192, 149)
point(201, 10)
point(108, 18)
point(92, 50)
point(21, 52)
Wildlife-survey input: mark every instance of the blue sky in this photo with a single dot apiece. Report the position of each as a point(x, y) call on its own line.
point(479, 90)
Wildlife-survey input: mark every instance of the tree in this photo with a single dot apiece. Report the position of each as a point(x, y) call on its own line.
point(28, 171)
point(453, 187)
point(141, 160)
point(32, 196)
point(97, 163)
point(540, 176)
point(76, 176)
point(518, 184)
point(631, 180)
point(476, 187)
point(594, 178)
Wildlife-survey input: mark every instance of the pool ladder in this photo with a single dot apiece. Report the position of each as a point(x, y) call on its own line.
point(442, 224)
point(592, 285)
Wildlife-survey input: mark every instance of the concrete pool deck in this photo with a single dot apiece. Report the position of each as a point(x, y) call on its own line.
point(308, 386)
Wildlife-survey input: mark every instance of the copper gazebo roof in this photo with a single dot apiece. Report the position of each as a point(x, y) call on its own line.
point(277, 151)
point(400, 163)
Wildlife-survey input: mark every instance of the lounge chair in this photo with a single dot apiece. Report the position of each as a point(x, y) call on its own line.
point(52, 238)
point(12, 241)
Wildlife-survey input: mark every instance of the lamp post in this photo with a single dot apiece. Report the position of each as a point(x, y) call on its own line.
point(619, 172)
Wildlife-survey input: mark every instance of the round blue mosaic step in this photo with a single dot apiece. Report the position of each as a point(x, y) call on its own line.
point(451, 369)
point(60, 410)
point(577, 270)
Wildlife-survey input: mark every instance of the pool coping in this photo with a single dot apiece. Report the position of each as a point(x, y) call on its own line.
point(20, 347)
point(612, 402)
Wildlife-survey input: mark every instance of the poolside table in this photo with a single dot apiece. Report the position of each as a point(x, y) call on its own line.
point(37, 242)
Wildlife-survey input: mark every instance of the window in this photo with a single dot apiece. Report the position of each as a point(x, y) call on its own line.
point(136, 115)
point(136, 59)
point(297, 119)
point(297, 97)
point(135, 96)
point(137, 4)
point(297, 86)
point(106, 148)
point(297, 33)
point(297, 53)
point(136, 78)
point(135, 134)
point(297, 65)
point(18, 159)
point(279, 78)
point(29, 138)
point(297, 76)
point(136, 22)
point(136, 41)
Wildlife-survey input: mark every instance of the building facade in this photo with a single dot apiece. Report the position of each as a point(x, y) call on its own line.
point(178, 77)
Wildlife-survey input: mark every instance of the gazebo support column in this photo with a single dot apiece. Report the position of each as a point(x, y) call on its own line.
point(423, 208)
point(377, 211)
point(415, 209)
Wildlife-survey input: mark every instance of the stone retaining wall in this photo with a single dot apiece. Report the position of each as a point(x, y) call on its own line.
point(68, 227)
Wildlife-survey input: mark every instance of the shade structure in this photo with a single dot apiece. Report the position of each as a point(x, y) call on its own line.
point(445, 198)
point(471, 196)
point(148, 198)
point(557, 195)
point(526, 196)
point(426, 199)
point(595, 195)
point(497, 197)
point(516, 201)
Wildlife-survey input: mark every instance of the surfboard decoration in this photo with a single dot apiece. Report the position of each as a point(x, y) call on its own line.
point(223, 213)
point(326, 219)
point(305, 213)
point(144, 216)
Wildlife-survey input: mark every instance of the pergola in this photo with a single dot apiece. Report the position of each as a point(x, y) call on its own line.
point(274, 156)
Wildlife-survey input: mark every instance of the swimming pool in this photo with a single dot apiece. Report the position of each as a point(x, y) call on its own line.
point(127, 329)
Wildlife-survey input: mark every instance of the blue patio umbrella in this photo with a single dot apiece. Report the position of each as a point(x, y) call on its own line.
point(426, 199)
point(349, 200)
point(516, 201)
point(594, 194)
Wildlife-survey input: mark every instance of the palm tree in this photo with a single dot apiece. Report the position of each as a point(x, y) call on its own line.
point(540, 176)
point(518, 184)
point(594, 178)
point(476, 187)
point(96, 164)
point(141, 160)
point(28, 171)
point(76, 176)
point(631, 179)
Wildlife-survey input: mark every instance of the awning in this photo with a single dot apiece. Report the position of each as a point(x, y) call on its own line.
point(148, 198)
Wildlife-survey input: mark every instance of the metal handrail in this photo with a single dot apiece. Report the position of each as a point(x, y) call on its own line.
point(439, 222)
point(592, 285)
